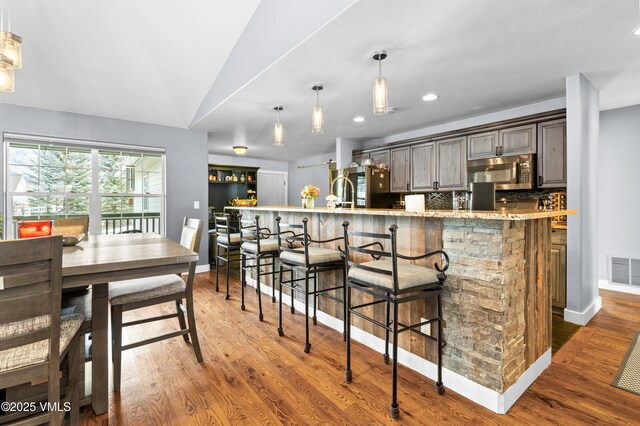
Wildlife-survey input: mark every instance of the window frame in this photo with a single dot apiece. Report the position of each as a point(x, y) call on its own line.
point(94, 196)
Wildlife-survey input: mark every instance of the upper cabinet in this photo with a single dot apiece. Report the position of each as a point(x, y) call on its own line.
point(451, 159)
point(380, 157)
point(483, 145)
point(552, 154)
point(399, 169)
point(423, 167)
point(518, 140)
point(513, 141)
point(359, 158)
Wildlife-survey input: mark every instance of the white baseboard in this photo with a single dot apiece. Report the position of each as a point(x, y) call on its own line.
point(203, 268)
point(494, 401)
point(623, 288)
point(583, 318)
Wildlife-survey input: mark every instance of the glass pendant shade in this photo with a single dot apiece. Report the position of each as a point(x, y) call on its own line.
point(278, 134)
point(317, 120)
point(380, 101)
point(6, 74)
point(11, 47)
point(240, 150)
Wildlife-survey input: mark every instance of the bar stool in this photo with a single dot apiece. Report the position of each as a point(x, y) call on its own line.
point(229, 240)
point(393, 283)
point(257, 246)
point(312, 260)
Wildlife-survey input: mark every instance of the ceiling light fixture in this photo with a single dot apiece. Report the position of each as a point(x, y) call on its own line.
point(430, 97)
point(317, 116)
point(240, 150)
point(380, 100)
point(10, 54)
point(358, 119)
point(278, 130)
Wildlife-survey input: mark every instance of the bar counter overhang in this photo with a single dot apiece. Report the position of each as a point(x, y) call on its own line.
point(496, 302)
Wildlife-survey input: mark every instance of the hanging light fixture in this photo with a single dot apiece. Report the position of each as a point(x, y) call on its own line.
point(240, 150)
point(6, 74)
point(380, 100)
point(278, 130)
point(317, 117)
point(11, 47)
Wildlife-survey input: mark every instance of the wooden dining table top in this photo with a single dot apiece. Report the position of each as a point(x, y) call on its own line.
point(105, 253)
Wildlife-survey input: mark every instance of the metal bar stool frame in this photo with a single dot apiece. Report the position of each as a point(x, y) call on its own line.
point(231, 249)
point(288, 236)
point(257, 236)
point(392, 296)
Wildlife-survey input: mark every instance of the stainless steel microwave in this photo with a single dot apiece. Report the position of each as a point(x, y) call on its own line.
point(514, 172)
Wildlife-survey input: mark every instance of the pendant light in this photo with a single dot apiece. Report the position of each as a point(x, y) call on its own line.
point(380, 100)
point(278, 130)
point(637, 30)
point(6, 74)
point(317, 116)
point(10, 43)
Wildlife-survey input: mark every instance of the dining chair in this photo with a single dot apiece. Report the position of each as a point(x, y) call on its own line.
point(139, 293)
point(34, 337)
point(392, 283)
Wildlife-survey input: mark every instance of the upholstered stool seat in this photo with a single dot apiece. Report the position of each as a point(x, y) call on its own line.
point(408, 275)
point(270, 244)
point(317, 255)
point(37, 352)
point(131, 291)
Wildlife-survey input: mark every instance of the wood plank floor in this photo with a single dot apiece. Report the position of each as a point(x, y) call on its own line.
point(251, 376)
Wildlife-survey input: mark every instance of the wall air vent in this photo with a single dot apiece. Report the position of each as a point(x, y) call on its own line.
point(620, 270)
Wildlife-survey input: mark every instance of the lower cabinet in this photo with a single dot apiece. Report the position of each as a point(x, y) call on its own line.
point(559, 268)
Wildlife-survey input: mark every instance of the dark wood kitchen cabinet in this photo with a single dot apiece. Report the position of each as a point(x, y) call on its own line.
point(451, 159)
point(518, 140)
point(399, 169)
point(552, 154)
point(482, 145)
point(423, 167)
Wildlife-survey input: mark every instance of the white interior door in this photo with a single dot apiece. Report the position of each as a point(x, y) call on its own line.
point(272, 188)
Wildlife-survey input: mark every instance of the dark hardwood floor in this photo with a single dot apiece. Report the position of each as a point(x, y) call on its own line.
point(251, 376)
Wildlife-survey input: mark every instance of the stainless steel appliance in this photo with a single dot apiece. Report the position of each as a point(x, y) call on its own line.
point(483, 196)
point(514, 172)
point(517, 203)
point(370, 187)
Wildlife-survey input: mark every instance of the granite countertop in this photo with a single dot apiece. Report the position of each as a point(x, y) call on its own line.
point(455, 214)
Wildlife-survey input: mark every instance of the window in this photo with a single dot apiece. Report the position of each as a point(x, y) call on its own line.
point(119, 190)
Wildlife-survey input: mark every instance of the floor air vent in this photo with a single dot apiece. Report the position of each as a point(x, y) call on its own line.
point(625, 271)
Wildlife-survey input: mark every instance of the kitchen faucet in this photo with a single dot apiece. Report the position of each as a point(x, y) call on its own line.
point(353, 191)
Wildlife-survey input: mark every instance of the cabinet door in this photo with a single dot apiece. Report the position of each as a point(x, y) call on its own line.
point(552, 154)
point(381, 157)
point(423, 166)
point(451, 158)
point(483, 145)
point(518, 140)
point(559, 275)
point(399, 169)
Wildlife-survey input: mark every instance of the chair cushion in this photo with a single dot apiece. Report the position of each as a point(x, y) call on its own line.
point(270, 244)
point(78, 302)
point(317, 255)
point(129, 291)
point(408, 275)
point(224, 238)
point(37, 352)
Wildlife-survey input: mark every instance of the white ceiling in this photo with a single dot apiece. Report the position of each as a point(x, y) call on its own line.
point(148, 61)
point(156, 62)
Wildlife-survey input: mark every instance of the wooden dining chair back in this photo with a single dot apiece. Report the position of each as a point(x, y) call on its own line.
point(227, 248)
point(33, 337)
point(71, 226)
point(139, 293)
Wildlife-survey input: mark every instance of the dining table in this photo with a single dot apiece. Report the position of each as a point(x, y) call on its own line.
point(101, 259)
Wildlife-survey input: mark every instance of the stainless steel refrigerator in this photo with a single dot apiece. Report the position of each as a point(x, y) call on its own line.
point(370, 187)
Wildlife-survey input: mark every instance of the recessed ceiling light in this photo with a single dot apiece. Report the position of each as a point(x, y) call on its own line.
point(358, 119)
point(430, 97)
point(637, 31)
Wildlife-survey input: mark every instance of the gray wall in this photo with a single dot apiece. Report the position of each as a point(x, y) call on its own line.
point(583, 117)
point(186, 154)
point(318, 176)
point(618, 202)
point(276, 166)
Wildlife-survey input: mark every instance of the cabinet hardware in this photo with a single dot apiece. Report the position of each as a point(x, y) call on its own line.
point(539, 180)
point(497, 151)
point(407, 186)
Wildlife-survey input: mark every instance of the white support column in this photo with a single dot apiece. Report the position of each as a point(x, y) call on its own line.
point(343, 151)
point(583, 118)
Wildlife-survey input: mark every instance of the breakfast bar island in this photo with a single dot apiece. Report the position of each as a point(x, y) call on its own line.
point(496, 301)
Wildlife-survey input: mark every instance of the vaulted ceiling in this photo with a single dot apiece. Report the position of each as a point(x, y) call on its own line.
point(221, 66)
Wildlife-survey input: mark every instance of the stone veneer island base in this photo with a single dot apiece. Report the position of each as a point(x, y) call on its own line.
point(496, 302)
